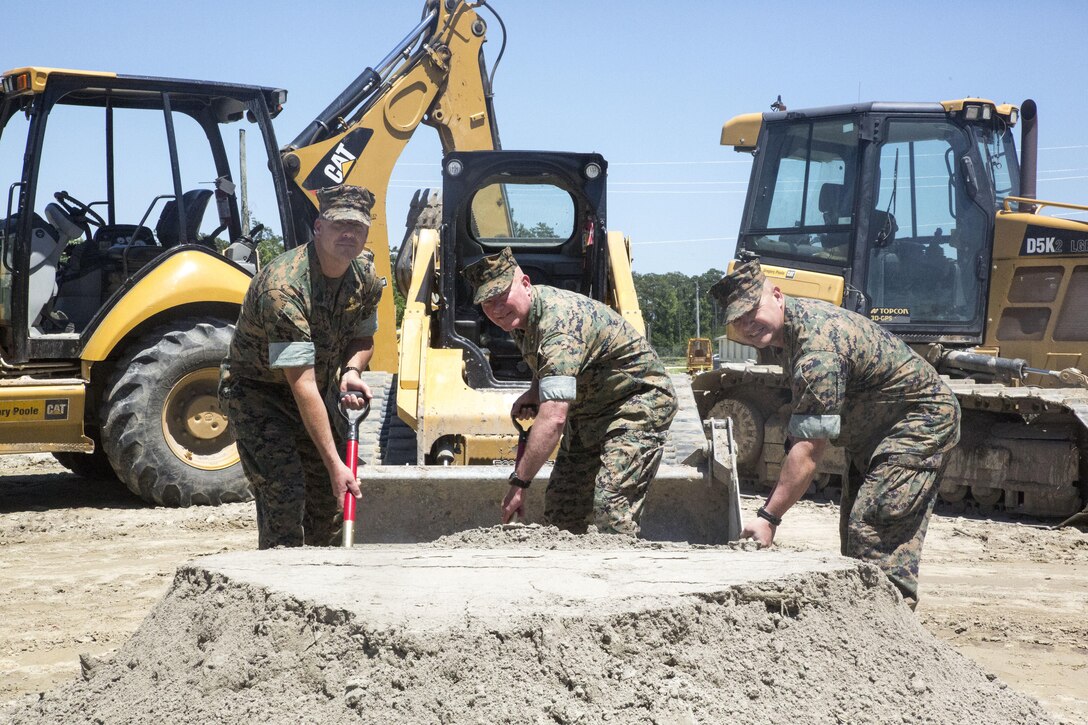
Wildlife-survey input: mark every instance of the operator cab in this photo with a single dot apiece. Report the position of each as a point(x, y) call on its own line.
point(107, 175)
point(549, 208)
point(897, 198)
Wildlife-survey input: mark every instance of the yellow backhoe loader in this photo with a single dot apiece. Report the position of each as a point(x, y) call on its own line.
point(115, 306)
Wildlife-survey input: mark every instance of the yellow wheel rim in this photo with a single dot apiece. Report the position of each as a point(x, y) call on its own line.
point(195, 427)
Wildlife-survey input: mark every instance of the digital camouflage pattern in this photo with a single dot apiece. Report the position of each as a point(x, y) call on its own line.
point(621, 382)
point(883, 516)
point(616, 425)
point(740, 290)
point(603, 482)
point(491, 275)
point(888, 399)
point(290, 301)
point(295, 505)
point(345, 203)
point(896, 419)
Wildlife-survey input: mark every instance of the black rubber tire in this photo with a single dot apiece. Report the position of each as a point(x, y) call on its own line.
point(134, 434)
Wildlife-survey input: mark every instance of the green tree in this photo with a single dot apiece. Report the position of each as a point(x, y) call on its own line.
point(668, 306)
point(269, 244)
point(540, 230)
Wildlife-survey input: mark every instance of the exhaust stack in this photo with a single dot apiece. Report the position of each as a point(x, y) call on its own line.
point(1029, 152)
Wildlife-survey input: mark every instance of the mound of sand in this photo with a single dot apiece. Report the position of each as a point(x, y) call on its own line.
point(531, 625)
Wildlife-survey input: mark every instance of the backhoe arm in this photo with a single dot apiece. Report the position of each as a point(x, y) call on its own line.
point(435, 76)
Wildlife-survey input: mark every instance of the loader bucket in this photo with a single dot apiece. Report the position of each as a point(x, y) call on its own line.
point(697, 503)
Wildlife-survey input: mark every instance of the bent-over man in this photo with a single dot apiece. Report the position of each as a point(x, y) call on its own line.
point(856, 384)
point(596, 382)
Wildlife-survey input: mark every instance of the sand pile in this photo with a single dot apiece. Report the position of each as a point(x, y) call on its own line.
point(531, 625)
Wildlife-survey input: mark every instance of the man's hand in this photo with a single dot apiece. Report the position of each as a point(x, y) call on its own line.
point(351, 382)
point(761, 530)
point(341, 480)
point(514, 503)
point(526, 406)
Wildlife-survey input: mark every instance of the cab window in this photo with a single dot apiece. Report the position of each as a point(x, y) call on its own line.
point(803, 198)
point(522, 214)
point(926, 232)
point(999, 162)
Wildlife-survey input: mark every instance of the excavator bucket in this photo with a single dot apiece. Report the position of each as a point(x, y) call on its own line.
point(695, 502)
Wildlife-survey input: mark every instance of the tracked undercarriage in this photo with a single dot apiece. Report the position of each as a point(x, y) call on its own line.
point(1022, 449)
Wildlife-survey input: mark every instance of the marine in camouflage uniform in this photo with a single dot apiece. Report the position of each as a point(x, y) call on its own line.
point(618, 398)
point(857, 385)
point(295, 317)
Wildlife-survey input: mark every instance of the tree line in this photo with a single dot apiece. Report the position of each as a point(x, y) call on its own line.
point(669, 303)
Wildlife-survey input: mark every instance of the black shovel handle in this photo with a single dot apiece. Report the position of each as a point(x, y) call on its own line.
point(353, 415)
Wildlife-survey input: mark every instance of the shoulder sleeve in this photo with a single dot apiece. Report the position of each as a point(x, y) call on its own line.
point(287, 330)
point(819, 393)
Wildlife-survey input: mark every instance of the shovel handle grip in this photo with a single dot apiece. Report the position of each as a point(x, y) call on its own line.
point(523, 433)
point(348, 529)
point(353, 415)
point(349, 507)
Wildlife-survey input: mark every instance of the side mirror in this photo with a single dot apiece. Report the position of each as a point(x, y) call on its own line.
point(970, 179)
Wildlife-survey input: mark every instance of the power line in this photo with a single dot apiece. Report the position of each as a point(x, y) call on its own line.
point(666, 191)
point(672, 183)
point(426, 182)
point(677, 163)
point(714, 163)
point(682, 241)
point(797, 185)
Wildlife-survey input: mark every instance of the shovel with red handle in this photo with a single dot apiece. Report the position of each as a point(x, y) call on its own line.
point(353, 416)
point(523, 439)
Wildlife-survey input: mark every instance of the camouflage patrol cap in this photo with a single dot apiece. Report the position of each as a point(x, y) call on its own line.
point(740, 290)
point(345, 203)
point(491, 275)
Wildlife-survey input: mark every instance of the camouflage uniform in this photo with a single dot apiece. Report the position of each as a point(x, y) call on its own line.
point(292, 316)
point(859, 386)
point(621, 405)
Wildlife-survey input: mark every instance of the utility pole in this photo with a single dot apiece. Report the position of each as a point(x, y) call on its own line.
point(698, 327)
point(242, 178)
point(649, 318)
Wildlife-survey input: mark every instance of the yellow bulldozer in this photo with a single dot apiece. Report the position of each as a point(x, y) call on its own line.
point(117, 301)
point(923, 217)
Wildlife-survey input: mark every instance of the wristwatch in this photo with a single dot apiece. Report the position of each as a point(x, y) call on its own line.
point(515, 481)
point(768, 516)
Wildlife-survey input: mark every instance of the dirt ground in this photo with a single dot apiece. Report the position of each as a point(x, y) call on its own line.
point(84, 562)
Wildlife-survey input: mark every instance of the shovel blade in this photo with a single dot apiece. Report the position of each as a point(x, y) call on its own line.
point(410, 504)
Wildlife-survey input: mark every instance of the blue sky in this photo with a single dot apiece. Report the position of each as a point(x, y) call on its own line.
point(648, 85)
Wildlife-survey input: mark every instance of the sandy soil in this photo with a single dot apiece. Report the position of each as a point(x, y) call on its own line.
point(84, 562)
